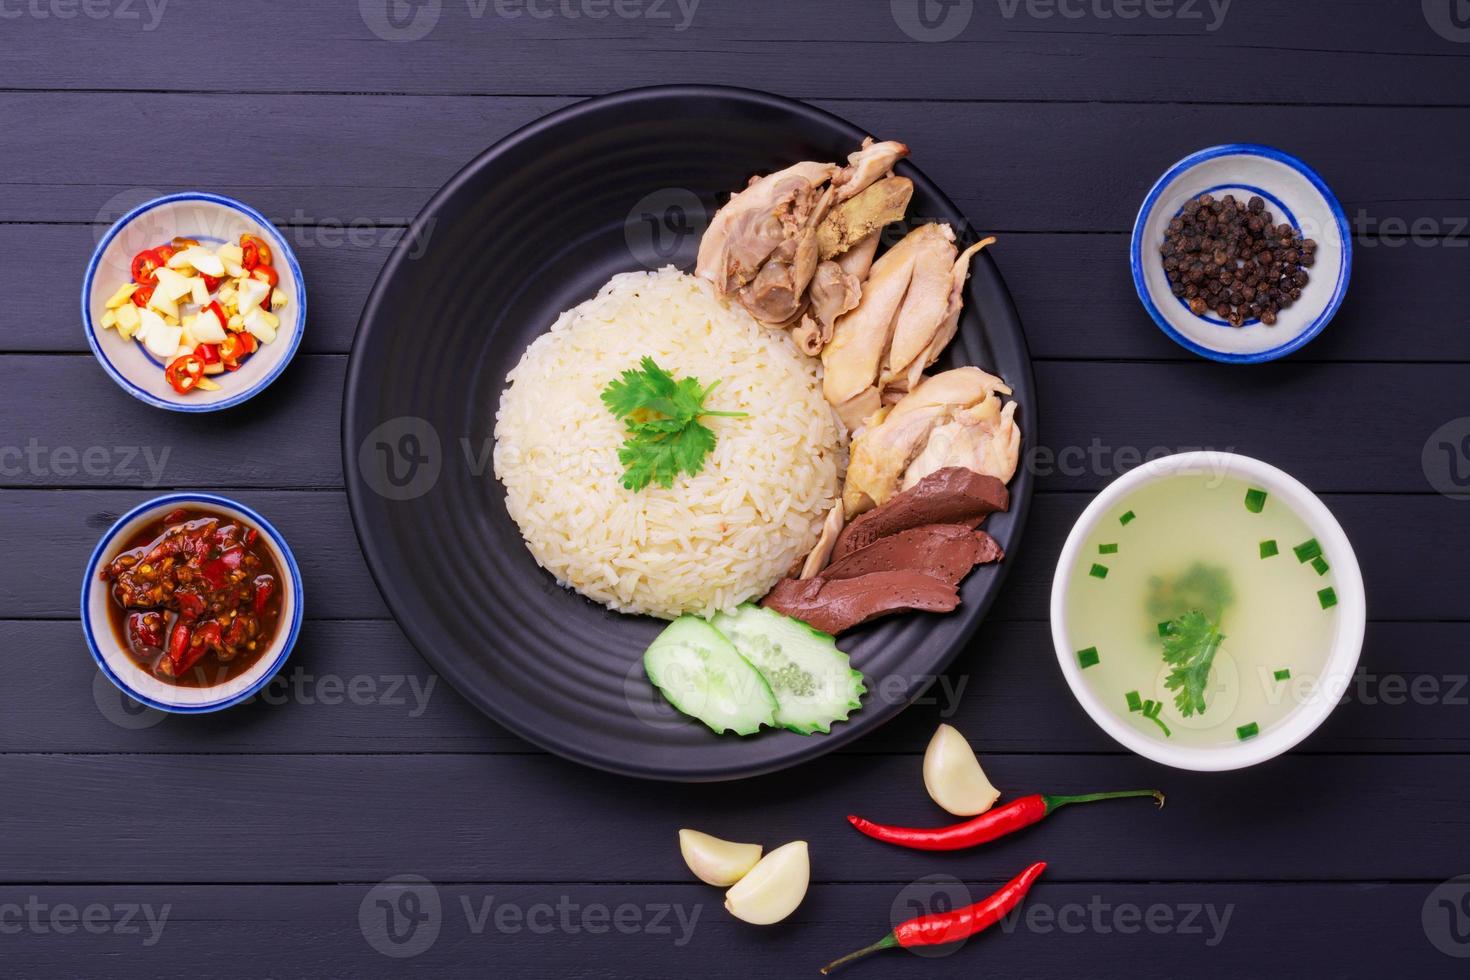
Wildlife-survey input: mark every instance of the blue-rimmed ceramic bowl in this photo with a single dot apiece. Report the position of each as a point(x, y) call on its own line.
point(212, 220)
point(1294, 194)
point(119, 666)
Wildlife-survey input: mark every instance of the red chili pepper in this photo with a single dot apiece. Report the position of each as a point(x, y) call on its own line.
point(989, 825)
point(208, 636)
point(183, 373)
point(265, 587)
point(256, 251)
point(144, 627)
point(205, 638)
point(237, 634)
point(145, 267)
point(211, 283)
point(217, 570)
point(178, 642)
point(949, 927)
point(191, 605)
point(232, 351)
point(141, 296)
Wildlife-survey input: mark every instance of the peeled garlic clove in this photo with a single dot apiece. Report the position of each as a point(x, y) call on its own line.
point(772, 889)
point(715, 861)
point(953, 776)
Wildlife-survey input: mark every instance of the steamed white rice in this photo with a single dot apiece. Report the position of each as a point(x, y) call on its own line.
point(712, 540)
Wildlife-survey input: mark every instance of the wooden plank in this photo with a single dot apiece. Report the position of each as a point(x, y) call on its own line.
point(72, 425)
point(1410, 547)
point(359, 687)
point(1096, 315)
point(343, 161)
point(312, 818)
point(1251, 50)
point(1098, 421)
point(576, 931)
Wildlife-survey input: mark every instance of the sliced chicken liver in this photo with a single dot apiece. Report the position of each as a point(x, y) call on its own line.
point(949, 496)
point(943, 551)
point(838, 605)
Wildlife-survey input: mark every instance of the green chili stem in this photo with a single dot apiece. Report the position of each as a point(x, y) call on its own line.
point(889, 941)
point(1056, 802)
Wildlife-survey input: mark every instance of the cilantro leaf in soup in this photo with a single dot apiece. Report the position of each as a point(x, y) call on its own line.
point(1190, 644)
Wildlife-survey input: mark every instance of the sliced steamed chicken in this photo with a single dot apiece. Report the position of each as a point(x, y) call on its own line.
point(744, 233)
point(777, 294)
point(821, 552)
point(984, 438)
point(846, 241)
point(775, 246)
point(851, 362)
point(908, 315)
point(897, 434)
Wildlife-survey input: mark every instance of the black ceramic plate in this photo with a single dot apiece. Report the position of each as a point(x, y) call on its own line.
point(532, 227)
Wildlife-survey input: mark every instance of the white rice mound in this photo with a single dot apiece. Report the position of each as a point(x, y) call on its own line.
point(712, 540)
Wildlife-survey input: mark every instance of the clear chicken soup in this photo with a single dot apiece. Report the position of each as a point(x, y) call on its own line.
point(1203, 610)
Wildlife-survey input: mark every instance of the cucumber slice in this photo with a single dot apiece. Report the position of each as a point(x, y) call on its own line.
point(704, 676)
point(813, 682)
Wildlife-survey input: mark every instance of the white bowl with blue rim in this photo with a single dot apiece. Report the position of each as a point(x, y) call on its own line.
point(213, 220)
point(1295, 195)
point(127, 674)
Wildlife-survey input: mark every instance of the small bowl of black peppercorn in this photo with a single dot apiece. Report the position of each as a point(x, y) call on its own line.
point(1241, 253)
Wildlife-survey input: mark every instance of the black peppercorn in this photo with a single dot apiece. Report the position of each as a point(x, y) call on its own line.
point(1231, 257)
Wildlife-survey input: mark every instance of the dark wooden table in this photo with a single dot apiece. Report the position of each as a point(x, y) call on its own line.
point(255, 842)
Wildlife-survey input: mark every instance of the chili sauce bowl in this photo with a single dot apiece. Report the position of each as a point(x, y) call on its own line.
point(1295, 195)
point(1183, 533)
point(212, 219)
point(114, 660)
